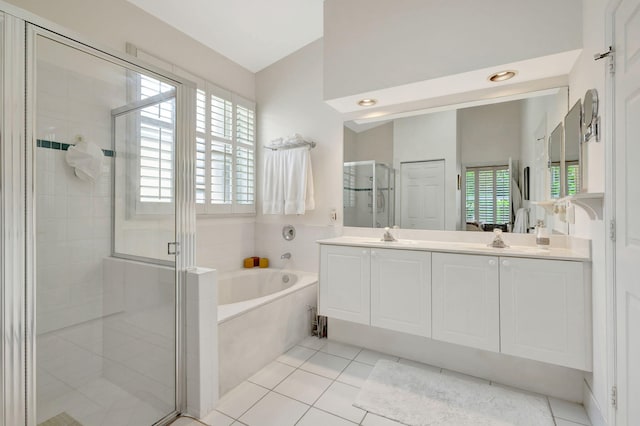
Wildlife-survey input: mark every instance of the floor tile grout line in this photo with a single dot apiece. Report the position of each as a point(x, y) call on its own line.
point(324, 391)
point(491, 383)
point(252, 405)
point(269, 390)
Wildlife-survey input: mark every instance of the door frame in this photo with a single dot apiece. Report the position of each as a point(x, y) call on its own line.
point(399, 188)
point(609, 218)
point(17, 218)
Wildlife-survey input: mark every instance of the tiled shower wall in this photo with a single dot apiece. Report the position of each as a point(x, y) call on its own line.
point(73, 217)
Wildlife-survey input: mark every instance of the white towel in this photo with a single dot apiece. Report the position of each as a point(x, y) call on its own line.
point(516, 196)
point(298, 181)
point(273, 183)
point(522, 221)
point(86, 159)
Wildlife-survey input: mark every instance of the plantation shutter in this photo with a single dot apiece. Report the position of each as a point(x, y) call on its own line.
point(470, 196)
point(201, 147)
point(156, 141)
point(221, 156)
point(225, 133)
point(245, 156)
point(573, 178)
point(487, 195)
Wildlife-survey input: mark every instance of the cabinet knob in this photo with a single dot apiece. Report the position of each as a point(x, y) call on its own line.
point(364, 252)
point(373, 253)
point(492, 262)
point(506, 263)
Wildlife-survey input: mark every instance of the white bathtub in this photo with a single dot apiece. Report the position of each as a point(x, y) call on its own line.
point(261, 314)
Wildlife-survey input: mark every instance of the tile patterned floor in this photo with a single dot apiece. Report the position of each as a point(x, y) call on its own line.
point(113, 371)
point(315, 383)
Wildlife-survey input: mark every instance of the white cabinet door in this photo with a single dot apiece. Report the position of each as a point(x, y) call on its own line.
point(401, 290)
point(545, 311)
point(466, 300)
point(344, 283)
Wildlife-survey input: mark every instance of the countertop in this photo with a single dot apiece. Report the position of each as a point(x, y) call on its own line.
point(461, 247)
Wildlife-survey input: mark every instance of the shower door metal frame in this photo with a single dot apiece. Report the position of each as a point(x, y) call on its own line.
point(13, 224)
point(130, 198)
point(33, 27)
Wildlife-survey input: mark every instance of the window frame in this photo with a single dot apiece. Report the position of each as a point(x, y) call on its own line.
point(233, 208)
point(476, 212)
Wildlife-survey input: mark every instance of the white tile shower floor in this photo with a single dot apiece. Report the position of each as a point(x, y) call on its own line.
point(315, 383)
point(98, 403)
point(71, 367)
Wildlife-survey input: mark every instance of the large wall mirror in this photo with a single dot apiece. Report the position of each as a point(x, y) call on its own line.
point(461, 168)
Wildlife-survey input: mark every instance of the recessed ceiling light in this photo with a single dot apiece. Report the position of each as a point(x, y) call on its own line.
point(367, 102)
point(502, 76)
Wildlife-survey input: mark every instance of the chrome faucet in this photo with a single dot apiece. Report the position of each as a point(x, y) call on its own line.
point(388, 236)
point(497, 242)
point(287, 255)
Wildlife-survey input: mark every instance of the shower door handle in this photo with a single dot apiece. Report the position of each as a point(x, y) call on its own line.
point(175, 245)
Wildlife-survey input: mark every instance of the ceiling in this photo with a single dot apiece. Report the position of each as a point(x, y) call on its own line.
point(252, 33)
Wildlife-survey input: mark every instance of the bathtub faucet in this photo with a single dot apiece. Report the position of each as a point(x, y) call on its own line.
point(287, 255)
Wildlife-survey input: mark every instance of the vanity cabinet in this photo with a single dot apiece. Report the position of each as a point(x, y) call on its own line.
point(401, 290)
point(380, 287)
point(545, 311)
point(535, 308)
point(466, 300)
point(345, 283)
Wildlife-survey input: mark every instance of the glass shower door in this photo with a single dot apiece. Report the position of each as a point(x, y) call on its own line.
point(105, 191)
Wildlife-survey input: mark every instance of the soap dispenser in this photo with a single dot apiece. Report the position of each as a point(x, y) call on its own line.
point(542, 235)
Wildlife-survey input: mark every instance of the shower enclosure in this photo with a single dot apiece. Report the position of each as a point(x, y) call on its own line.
point(93, 269)
point(369, 194)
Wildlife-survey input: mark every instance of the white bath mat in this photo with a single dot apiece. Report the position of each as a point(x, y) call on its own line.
point(419, 397)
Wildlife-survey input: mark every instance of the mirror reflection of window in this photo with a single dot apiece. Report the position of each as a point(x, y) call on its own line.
point(487, 196)
point(555, 162)
point(573, 177)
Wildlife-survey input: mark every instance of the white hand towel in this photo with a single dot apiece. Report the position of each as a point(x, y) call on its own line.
point(516, 196)
point(273, 183)
point(86, 159)
point(522, 221)
point(298, 181)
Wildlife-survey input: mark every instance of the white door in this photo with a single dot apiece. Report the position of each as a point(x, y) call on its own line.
point(422, 196)
point(466, 300)
point(345, 283)
point(545, 311)
point(627, 178)
point(401, 290)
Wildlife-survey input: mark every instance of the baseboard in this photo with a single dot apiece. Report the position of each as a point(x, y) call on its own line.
point(533, 376)
point(591, 406)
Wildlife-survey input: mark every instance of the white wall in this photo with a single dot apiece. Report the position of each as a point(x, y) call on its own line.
point(289, 98)
point(113, 23)
point(350, 145)
point(373, 144)
point(373, 44)
point(490, 134)
point(588, 74)
point(431, 137)
point(224, 243)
